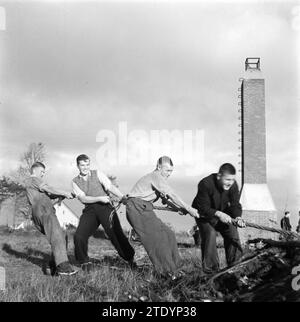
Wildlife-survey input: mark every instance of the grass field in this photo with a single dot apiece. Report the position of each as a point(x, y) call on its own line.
point(24, 255)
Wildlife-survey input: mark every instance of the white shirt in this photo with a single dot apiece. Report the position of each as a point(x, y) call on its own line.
point(104, 180)
point(143, 189)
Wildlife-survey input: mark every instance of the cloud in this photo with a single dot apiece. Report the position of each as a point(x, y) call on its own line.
point(70, 70)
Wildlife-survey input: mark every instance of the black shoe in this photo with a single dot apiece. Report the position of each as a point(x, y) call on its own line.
point(94, 261)
point(49, 268)
point(65, 269)
point(52, 267)
point(180, 274)
point(176, 276)
point(210, 272)
point(87, 267)
point(133, 265)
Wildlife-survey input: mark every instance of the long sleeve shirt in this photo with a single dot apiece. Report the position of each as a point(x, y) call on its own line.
point(35, 190)
point(145, 187)
point(211, 198)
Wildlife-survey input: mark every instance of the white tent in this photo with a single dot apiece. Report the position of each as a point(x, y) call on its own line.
point(68, 212)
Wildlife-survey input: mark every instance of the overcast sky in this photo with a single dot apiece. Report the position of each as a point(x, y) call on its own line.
point(69, 70)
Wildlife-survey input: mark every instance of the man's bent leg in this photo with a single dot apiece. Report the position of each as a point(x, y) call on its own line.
point(87, 226)
point(158, 240)
point(115, 232)
point(232, 245)
point(210, 259)
point(55, 236)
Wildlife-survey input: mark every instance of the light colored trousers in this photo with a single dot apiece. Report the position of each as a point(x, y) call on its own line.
point(45, 220)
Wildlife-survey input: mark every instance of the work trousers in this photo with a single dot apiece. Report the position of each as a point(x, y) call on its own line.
point(45, 220)
point(208, 233)
point(93, 216)
point(157, 238)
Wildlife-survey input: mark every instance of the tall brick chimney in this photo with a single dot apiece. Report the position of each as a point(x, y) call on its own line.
point(256, 199)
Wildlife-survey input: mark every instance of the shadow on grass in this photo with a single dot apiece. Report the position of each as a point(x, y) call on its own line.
point(34, 256)
point(31, 255)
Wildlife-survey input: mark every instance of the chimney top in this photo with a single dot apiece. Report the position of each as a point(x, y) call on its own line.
point(252, 64)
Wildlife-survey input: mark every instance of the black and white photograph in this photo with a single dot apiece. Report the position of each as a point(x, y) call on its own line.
point(149, 153)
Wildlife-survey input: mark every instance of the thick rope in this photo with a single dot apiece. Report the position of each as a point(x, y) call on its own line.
point(162, 208)
point(113, 213)
point(174, 208)
point(285, 233)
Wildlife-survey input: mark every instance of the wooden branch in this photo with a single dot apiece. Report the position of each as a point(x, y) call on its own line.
point(236, 267)
point(248, 273)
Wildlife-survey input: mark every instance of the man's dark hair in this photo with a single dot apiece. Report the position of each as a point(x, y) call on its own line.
point(82, 157)
point(227, 168)
point(286, 213)
point(164, 159)
point(37, 164)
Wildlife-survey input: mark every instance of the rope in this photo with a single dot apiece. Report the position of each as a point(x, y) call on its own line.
point(167, 209)
point(116, 208)
point(113, 213)
point(285, 233)
point(170, 205)
point(173, 208)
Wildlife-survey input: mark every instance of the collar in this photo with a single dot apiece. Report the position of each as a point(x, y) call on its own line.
point(82, 177)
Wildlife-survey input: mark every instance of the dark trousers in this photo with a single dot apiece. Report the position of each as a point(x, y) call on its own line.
point(197, 238)
point(92, 217)
point(208, 232)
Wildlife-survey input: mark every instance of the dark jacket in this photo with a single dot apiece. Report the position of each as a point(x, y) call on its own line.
point(285, 224)
point(211, 197)
point(298, 227)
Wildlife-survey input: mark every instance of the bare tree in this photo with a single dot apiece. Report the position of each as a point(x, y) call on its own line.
point(35, 152)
